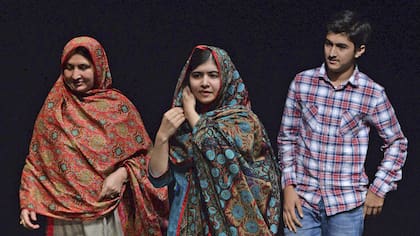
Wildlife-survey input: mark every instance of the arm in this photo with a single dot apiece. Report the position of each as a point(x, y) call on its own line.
point(395, 147)
point(287, 138)
point(287, 142)
point(395, 153)
point(171, 120)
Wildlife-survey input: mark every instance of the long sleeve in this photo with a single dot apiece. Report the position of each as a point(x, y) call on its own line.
point(394, 147)
point(288, 136)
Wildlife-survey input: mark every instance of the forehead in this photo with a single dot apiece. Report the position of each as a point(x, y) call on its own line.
point(78, 59)
point(208, 65)
point(336, 38)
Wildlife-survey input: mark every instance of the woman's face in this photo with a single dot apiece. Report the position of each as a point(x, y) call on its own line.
point(79, 74)
point(205, 82)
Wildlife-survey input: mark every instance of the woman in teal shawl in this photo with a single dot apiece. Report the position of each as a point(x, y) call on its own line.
point(216, 153)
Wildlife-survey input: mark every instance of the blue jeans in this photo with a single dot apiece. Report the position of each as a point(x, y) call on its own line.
point(348, 223)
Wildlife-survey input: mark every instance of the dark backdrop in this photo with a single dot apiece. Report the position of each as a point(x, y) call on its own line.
point(147, 43)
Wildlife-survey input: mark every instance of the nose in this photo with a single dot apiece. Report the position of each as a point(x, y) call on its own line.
point(76, 74)
point(205, 81)
point(333, 51)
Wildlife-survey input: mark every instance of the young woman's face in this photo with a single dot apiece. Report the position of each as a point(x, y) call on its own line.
point(79, 74)
point(205, 82)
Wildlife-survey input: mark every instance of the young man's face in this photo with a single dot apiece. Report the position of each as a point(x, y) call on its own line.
point(340, 53)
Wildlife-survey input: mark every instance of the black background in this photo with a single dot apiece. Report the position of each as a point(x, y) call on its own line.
point(147, 43)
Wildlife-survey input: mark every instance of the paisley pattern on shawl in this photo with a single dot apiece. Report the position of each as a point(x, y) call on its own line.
point(78, 141)
point(233, 182)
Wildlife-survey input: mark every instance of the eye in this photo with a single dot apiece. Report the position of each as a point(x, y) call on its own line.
point(83, 66)
point(196, 75)
point(68, 66)
point(327, 43)
point(214, 74)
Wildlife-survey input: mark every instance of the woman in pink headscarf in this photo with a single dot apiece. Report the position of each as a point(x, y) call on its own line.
point(86, 167)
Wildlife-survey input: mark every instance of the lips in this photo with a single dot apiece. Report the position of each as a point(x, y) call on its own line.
point(205, 92)
point(333, 62)
point(78, 83)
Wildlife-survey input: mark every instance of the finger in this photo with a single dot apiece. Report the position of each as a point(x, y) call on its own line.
point(292, 226)
point(374, 211)
point(286, 220)
point(102, 194)
point(368, 211)
point(364, 211)
point(34, 218)
point(33, 215)
point(25, 217)
point(186, 90)
point(177, 110)
point(299, 209)
point(27, 223)
point(291, 219)
point(295, 219)
point(179, 120)
point(174, 114)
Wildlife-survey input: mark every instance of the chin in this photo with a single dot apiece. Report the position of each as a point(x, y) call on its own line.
point(206, 102)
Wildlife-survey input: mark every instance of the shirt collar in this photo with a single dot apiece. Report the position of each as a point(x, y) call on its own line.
point(353, 80)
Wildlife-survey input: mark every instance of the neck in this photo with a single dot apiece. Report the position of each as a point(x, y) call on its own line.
point(338, 78)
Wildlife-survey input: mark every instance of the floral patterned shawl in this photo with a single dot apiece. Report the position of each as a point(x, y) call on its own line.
point(233, 182)
point(78, 141)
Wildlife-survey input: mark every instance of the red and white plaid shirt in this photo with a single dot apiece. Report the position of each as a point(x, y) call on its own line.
point(324, 136)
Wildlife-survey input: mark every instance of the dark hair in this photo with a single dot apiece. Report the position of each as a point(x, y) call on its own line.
point(352, 25)
point(81, 51)
point(198, 57)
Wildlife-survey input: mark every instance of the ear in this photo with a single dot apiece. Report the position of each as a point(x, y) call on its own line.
point(360, 51)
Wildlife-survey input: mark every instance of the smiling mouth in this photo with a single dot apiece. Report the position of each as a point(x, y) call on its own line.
point(78, 84)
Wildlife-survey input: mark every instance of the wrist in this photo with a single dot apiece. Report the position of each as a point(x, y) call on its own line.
point(160, 139)
point(122, 174)
point(189, 111)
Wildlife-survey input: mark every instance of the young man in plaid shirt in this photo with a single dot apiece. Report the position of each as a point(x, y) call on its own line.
point(324, 135)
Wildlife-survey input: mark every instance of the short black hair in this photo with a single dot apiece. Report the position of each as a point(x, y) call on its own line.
point(357, 29)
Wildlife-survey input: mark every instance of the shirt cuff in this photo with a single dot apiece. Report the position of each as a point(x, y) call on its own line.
point(288, 179)
point(381, 188)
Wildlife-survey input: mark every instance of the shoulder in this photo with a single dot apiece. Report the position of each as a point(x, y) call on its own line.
point(309, 75)
point(306, 79)
point(368, 85)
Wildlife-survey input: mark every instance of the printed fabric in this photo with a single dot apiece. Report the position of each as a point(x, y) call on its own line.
point(233, 183)
point(78, 141)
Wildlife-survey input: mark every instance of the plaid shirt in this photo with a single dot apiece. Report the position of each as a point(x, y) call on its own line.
point(324, 135)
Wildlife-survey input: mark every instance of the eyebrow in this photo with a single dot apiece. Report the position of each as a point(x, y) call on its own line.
point(199, 71)
point(337, 44)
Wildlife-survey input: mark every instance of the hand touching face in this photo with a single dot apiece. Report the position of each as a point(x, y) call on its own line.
point(205, 82)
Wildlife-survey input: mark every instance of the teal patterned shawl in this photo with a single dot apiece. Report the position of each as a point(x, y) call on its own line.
point(233, 181)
